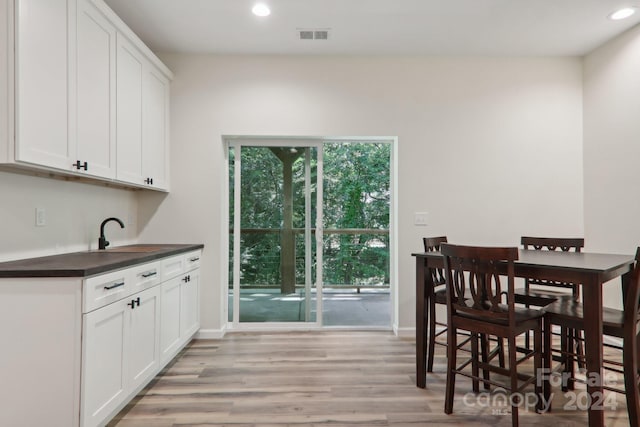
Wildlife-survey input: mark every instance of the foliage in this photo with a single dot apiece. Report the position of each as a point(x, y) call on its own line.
point(355, 196)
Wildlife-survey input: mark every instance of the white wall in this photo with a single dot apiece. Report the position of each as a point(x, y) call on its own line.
point(612, 148)
point(74, 212)
point(490, 147)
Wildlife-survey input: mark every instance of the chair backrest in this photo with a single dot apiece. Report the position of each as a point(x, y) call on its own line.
point(432, 244)
point(553, 244)
point(632, 295)
point(474, 279)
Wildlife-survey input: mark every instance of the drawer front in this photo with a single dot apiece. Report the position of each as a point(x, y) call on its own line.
point(105, 289)
point(146, 276)
point(172, 267)
point(192, 260)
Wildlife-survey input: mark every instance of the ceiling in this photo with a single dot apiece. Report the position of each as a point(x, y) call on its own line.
point(377, 27)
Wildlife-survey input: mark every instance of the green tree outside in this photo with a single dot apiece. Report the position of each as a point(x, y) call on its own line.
point(355, 196)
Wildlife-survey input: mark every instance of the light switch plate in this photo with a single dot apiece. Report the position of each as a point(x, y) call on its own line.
point(420, 218)
point(41, 217)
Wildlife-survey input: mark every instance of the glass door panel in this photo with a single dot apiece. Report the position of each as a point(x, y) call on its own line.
point(356, 256)
point(273, 246)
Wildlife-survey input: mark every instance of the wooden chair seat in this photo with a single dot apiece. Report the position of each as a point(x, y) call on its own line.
point(571, 314)
point(522, 314)
point(440, 296)
point(540, 297)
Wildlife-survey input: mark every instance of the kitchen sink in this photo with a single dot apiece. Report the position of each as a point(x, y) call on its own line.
point(140, 249)
point(127, 249)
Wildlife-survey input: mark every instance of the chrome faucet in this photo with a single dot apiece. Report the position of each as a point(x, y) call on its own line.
point(103, 242)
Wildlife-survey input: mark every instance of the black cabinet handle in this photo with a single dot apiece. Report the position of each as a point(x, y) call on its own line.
point(149, 181)
point(79, 165)
point(149, 274)
point(194, 259)
point(133, 303)
point(115, 285)
point(186, 279)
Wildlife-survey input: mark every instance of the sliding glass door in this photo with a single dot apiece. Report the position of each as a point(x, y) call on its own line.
point(309, 233)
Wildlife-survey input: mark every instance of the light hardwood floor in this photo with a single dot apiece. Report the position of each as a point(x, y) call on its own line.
point(332, 378)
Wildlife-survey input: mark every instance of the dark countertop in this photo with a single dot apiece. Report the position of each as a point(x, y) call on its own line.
point(89, 263)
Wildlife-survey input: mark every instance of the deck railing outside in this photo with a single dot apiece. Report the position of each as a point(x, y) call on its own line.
point(353, 258)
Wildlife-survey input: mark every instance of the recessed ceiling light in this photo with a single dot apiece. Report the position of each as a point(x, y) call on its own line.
point(261, 9)
point(622, 13)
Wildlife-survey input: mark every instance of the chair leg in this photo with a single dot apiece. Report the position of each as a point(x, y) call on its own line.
point(571, 360)
point(630, 358)
point(432, 334)
point(537, 366)
point(547, 358)
point(484, 348)
point(501, 352)
point(565, 360)
point(578, 339)
point(475, 371)
point(452, 346)
point(515, 401)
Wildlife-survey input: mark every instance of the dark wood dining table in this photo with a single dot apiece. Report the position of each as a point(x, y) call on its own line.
point(591, 270)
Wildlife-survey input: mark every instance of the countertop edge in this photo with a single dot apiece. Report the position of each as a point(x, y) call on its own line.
point(132, 258)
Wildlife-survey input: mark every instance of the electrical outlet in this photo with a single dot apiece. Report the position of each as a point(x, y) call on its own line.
point(41, 217)
point(420, 218)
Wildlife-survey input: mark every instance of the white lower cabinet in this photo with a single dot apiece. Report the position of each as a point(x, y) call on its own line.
point(180, 314)
point(105, 348)
point(144, 339)
point(78, 349)
point(127, 342)
point(190, 305)
point(170, 319)
point(120, 353)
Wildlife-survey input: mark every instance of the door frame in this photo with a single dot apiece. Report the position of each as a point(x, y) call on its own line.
point(272, 140)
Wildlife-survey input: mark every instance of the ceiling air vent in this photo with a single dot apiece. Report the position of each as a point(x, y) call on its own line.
point(306, 35)
point(321, 35)
point(314, 34)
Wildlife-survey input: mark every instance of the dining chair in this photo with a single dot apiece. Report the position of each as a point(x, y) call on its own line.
point(475, 280)
point(620, 324)
point(546, 292)
point(438, 295)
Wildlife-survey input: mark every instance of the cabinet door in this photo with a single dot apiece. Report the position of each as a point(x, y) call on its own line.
point(6, 134)
point(190, 305)
point(130, 66)
point(42, 65)
point(104, 350)
point(143, 360)
point(170, 319)
point(95, 91)
point(155, 107)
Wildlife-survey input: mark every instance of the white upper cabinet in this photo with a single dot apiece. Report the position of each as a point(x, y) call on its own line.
point(6, 125)
point(95, 93)
point(84, 96)
point(129, 99)
point(42, 89)
point(155, 115)
point(143, 113)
